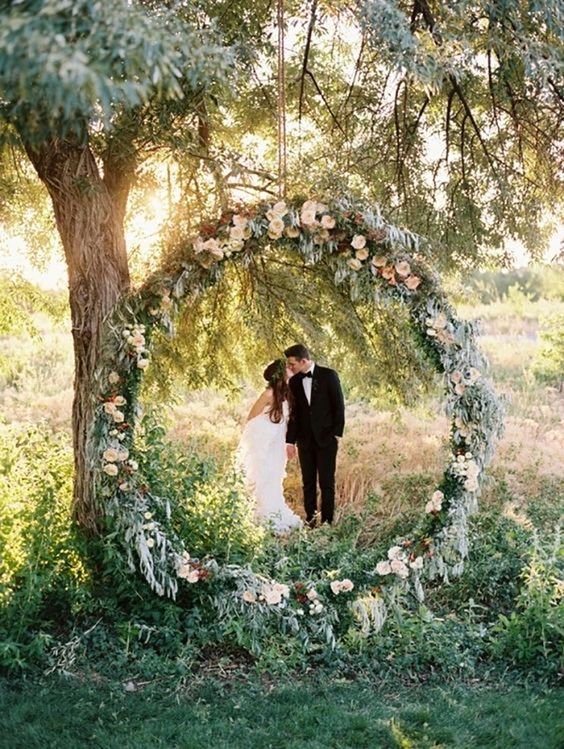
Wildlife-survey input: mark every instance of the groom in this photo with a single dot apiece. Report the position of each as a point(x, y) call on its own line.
point(316, 423)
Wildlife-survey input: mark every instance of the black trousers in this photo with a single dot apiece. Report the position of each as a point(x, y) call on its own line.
point(318, 463)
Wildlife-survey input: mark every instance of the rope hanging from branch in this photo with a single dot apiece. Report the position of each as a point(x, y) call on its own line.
point(282, 161)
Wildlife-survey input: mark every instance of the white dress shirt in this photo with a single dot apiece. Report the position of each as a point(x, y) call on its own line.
point(307, 383)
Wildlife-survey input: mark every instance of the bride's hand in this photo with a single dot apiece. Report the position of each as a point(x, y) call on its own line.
point(290, 451)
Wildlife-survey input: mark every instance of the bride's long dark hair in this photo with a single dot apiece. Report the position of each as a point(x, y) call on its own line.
point(275, 375)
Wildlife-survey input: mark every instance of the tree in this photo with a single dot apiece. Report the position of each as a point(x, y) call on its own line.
point(82, 86)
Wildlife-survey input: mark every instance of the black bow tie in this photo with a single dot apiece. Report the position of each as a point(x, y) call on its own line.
point(308, 374)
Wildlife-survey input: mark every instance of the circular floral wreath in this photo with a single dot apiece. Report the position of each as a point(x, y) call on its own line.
point(379, 262)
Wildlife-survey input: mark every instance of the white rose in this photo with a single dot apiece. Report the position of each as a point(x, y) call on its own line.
point(249, 596)
point(358, 242)
point(346, 585)
point(383, 568)
point(134, 465)
point(354, 263)
point(142, 363)
point(193, 576)
point(137, 340)
point(111, 469)
point(417, 563)
point(124, 486)
point(111, 455)
point(113, 378)
point(150, 542)
point(109, 407)
point(312, 594)
point(123, 454)
point(328, 222)
point(361, 254)
point(119, 400)
point(118, 416)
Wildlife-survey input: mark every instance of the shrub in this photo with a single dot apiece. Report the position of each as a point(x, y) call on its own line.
point(548, 364)
point(532, 636)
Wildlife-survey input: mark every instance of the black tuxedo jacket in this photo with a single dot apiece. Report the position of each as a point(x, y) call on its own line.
point(324, 419)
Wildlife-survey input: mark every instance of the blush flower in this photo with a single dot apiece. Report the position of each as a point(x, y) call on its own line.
point(239, 220)
point(383, 568)
point(276, 226)
point(354, 263)
point(358, 242)
point(399, 568)
point(237, 233)
point(328, 222)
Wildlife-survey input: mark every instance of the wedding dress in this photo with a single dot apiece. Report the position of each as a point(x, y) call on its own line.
point(262, 459)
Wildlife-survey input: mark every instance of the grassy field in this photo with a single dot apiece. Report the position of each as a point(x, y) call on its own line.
point(295, 715)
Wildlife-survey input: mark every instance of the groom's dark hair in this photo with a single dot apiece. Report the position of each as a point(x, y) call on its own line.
point(299, 351)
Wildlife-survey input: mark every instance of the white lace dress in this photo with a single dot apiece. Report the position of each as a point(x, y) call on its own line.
point(262, 458)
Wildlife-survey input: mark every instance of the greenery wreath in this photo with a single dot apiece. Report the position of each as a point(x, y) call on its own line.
point(379, 262)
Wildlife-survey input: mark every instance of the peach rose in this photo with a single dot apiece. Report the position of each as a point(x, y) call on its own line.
point(412, 282)
point(237, 233)
point(403, 268)
point(292, 232)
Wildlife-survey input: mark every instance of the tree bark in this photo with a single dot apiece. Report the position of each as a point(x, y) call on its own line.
point(90, 222)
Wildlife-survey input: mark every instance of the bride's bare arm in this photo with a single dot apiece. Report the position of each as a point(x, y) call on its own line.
point(264, 400)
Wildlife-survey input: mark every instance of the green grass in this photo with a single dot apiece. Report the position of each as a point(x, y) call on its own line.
point(301, 714)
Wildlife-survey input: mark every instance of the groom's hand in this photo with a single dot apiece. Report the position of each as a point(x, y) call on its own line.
point(290, 451)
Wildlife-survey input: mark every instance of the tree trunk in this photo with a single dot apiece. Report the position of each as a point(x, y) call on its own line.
point(90, 222)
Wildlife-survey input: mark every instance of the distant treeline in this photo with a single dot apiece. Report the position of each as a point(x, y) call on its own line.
point(535, 281)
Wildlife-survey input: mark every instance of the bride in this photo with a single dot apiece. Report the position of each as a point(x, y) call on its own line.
point(262, 449)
